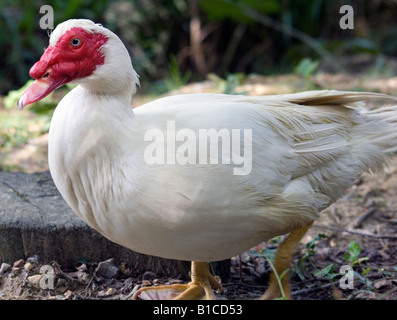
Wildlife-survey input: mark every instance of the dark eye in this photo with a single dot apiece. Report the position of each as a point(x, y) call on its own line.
point(75, 42)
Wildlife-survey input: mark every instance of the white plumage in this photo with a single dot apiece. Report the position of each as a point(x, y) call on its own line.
point(307, 148)
point(304, 157)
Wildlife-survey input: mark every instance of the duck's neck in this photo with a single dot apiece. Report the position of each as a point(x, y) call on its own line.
point(91, 136)
point(85, 121)
point(113, 109)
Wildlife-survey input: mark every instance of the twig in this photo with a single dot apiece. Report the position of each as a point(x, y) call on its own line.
point(89, 282)
point(304, 291)
point(65, 275)
point(387, 293)
point(232, 47)
point(363, 217)
point(229, 284)
point(195, 38)
point(370, 235)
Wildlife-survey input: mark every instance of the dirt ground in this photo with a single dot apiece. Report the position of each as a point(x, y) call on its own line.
point(366, 216)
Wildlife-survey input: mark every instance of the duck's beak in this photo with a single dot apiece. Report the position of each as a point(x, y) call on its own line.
point(41, 88)
point(47, 78)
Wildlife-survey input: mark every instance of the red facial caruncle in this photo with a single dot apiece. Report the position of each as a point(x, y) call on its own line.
point(76, 54)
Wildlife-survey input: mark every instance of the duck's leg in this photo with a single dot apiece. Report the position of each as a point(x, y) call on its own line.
point(197, 289)
point(282, 264)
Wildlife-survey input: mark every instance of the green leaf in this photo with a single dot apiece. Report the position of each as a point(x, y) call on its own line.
point(326, 271)
point(312, 243)
point(354, 249)
point(353, 252)
point(232, 82)
point(300, 268)
point(306, 67)
point(366, 271)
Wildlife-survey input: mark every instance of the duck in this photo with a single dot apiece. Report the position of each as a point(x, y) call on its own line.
point(199, 177)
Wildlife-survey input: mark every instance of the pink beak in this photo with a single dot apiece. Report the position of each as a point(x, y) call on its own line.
point(47, 79)
point(41, 88)
point(38, 90)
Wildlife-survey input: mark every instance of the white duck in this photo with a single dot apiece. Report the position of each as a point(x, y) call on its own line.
point(307, 148)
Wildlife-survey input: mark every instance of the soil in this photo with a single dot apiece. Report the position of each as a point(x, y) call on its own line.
point(366, 215)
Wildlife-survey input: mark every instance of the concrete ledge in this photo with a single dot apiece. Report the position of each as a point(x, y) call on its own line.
point(35, 220)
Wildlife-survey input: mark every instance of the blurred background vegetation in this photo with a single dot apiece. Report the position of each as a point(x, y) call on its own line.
point(171, 38)
point(179, 42)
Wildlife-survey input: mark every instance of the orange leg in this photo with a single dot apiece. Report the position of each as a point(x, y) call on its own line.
point(282, 264)
point(198, 289)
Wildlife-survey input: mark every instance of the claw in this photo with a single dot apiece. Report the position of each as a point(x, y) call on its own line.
point(200, 288)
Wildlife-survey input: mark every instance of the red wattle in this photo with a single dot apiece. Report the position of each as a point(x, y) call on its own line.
point(64, 60)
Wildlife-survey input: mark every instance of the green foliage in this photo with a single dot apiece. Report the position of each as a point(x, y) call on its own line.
point(176, 79)
point(231, 9)
point(328, 272)
point(232, 82)
point(309, 252)
point(352, 255)
point(279, 277)
point(13, 131)
point(21, 39)
point(155, 33)
point(306, 67)
point(16, 129)
point(236, 36)
point(12, 97)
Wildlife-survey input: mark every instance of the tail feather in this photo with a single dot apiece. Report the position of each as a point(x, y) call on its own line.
point(380, 125)
point(386, 137)
point(334, 97)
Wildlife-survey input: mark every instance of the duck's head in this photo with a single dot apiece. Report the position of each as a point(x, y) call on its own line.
point(83, 53)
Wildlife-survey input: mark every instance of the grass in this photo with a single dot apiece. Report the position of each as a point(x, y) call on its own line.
point(363, 276)
point(279, 277)
point(16, 129)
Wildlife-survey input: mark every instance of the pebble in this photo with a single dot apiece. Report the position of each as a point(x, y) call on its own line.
point(135, 289)
point(146, 283)
point(148, 275)
point(68, 294)
point(28, 266)
point(35, 280)
point(4, 267)
point(61, 282)
point(61, 286)
point(108, 292)
point(84, 277)
point(107, 269)
point(19, 263)
point(33, 259)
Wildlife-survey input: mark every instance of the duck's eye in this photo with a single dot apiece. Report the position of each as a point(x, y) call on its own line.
point(75, 42)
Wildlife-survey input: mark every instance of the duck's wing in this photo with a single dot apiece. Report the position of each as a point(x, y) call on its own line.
point(334, 141)
point(331, 97)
